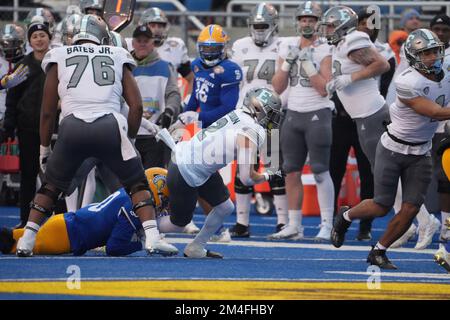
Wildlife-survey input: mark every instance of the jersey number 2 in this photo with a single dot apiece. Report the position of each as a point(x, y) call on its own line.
point(104, 74)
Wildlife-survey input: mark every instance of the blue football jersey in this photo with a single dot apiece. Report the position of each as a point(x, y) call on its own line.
point(210, 83)
point(96, 224)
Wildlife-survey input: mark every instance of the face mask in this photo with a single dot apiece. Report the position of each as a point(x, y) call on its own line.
point(437, 66)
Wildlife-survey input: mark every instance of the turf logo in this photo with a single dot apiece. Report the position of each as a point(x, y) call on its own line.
point(73, 281)
point(374, 279)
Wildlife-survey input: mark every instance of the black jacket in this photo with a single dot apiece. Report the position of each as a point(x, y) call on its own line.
point(23, 102)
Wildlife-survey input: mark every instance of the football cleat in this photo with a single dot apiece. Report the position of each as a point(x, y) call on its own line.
point(239, 231)
point(378, 258)
point(442, 258)
point(340, 227)
point(222, 236)
point(191, 228)
point(364, 235)
point(324, 233)
point(196, 251)
point(279, 227)
point(426, 233)
point(25, 247)
point(445, 231)
point(405, 237)
point(161, 247)
point(288, 232)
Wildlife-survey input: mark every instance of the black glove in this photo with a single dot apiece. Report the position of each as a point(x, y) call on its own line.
point(274, 175)
point(166, 118)
point(6, 133)
point(444, 144)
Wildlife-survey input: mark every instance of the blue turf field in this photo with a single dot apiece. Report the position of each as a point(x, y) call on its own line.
point(306, 265)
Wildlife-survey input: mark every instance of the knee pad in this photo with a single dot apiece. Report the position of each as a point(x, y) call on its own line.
point(53, 195)
point(319, 168)
point(277, 186)
point(240, 188)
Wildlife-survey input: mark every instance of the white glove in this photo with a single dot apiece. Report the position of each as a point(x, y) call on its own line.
point(338, 83)
point(342, 81)
point(150, 126)
point(15, 78)
point(44, 153)
point(305, 54)
point(188, 117)
point(291, 58)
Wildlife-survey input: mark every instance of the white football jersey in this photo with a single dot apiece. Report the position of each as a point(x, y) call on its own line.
point(360, 98)
point(4, 68)
point(90, 79)
point(258, 65)
point(446, 66)
point(214, 147)
point(407, 124)
point(302, 96)
point(173, 50)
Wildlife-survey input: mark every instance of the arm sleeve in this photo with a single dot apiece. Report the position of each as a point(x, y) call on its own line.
point(172, 94)
point(229, 96)
point(120, 241)
point(386, 78)
point(13, 96)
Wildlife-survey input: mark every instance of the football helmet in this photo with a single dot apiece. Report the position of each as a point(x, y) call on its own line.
point(336, 23)
point(417, 43)
point(92, 7)
point(307, 9)
point(156, 15)
point(12, 41)
point(264, 105)
point(117, 40)
point(49, 20)
point(70, 26)
point(263, 24)
point(211, 45)
point(156, 178)
point(94, 29)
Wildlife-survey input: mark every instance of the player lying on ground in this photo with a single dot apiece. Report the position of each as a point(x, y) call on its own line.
point(111, 223)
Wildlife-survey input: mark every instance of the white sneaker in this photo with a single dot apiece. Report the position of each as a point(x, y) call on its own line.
point(426, 233)
point(288, 232)
point(191, 228)
point(224, 236)
point(160, 247)
point(405, 237)
point(195, 251)
point(442, 258)
point(324, 233)
point(25, 247)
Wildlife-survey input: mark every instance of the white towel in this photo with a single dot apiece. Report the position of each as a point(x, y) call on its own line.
point(127, 148)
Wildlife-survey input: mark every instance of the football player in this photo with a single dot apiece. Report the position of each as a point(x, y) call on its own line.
point(111, 223)
point(257, 55)
point(194, 170)
point(403, 152)
point(91, 81)
point(305, 67)
point(216, 79)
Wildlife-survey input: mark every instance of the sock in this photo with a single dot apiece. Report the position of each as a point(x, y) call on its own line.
point(213, 221)
point(151, 230)
point(295, 218)
point(346, 217)
point(379, 246)
point(423, 217)
point(444, 216)
point(325, 195)
point(243, 208)
point(281, 205)
point(31, 229)
point(165, 225)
